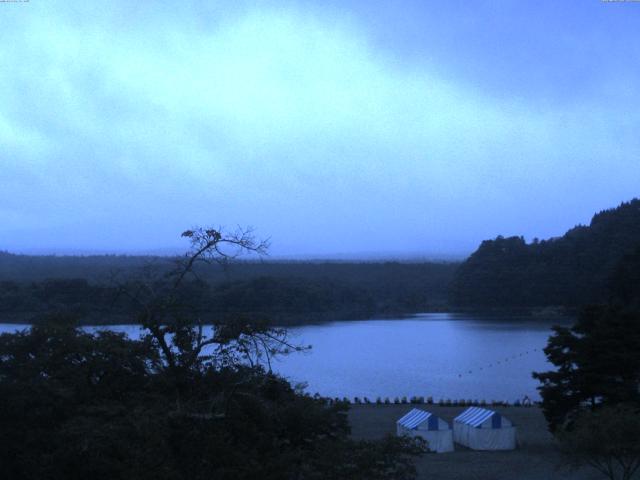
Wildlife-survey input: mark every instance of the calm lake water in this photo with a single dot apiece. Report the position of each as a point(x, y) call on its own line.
point(440, 355)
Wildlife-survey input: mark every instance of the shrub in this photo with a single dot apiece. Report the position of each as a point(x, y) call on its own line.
point(59, 425)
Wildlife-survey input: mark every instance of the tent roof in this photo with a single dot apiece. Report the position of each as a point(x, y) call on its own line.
point(474, 416)
point(414, 418)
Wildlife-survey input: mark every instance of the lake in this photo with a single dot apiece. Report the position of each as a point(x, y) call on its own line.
point(441, 355)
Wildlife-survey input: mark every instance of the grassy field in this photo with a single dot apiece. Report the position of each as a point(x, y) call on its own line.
point(536, 458)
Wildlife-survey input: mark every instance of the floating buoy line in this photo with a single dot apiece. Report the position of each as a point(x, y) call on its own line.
point(499, 362)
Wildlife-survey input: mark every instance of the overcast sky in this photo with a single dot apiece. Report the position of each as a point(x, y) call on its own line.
point(346, 128)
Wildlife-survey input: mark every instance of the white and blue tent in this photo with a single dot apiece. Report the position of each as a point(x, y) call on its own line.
point(437, 432)
point(482, 429)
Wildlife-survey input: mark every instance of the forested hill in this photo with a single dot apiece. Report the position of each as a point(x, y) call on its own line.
point(285, 292)
point(571, 270)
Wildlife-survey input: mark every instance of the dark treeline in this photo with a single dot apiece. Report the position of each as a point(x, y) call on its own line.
point(95, 268)
point(569, 271)
point(286, 292)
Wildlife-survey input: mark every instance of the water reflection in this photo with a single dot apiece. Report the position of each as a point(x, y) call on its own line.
point(439, 355)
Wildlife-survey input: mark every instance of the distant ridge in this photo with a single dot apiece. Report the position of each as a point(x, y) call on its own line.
point(363, 257)
point(571, 270)
point(284, 292)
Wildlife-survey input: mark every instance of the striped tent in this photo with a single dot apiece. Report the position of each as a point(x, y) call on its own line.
point(482, 429)
point(418, 423)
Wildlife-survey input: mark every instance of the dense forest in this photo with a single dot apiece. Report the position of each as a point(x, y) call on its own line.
point(284, 292)
point(568, 271)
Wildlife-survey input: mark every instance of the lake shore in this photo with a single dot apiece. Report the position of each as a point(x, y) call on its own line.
point(537, 456)
point(313, 318)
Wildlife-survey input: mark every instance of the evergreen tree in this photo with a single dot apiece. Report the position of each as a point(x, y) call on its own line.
point(597, 360)
point(597, 363)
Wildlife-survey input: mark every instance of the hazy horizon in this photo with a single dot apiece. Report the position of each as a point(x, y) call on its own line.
point(340, 130)
point(337, 257)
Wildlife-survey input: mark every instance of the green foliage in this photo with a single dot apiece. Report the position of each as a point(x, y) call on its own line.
point(75, 405)
point(178, 404)
point(570, 271)
point(624, 284)
point(390, 458)
point(607, 439)
point(597, 360)
point(288, 293)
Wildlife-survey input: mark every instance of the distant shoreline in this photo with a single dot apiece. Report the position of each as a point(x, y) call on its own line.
point(317, 318)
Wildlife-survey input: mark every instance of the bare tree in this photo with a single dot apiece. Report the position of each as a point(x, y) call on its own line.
point(176, 326)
